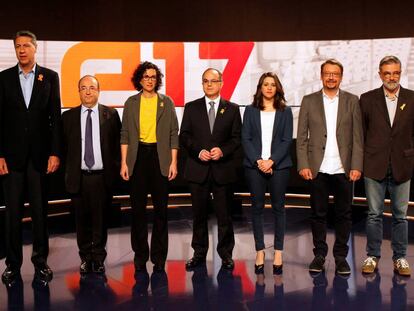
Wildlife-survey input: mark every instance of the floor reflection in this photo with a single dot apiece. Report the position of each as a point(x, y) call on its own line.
point(208, 287)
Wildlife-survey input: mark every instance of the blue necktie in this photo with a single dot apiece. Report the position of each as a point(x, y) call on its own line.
point(88, 157)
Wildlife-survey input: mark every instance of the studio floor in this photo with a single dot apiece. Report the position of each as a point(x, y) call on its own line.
point(211, 288)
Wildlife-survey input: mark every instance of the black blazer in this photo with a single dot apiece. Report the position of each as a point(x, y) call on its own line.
point(110, 127)
point(281, 138)
point(33, 132)
point(195, 136)
point(385, 143)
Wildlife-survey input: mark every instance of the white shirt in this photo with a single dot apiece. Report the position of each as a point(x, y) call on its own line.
point(267, 120)
point(216, 104)
point(26, 83)
point(391, 104)
point(331, 163)
point(96, 137)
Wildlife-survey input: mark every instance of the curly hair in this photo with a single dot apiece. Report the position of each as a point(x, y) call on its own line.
point(139, 74)
point(279, 102)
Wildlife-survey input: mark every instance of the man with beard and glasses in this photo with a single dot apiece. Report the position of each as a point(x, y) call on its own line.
point(388, 114)
point(330, 155)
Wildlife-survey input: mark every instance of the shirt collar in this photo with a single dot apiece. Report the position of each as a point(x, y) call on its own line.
point(392, 98)
point(216, 101)
point(94, 108)
point(31, 71)
point(327, 97)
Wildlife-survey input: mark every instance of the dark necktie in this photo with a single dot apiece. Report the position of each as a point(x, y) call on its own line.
point(211, 115)
point(88, 157)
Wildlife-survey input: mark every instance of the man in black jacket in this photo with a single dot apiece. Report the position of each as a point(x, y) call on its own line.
point(30, 138)
point(91, 136)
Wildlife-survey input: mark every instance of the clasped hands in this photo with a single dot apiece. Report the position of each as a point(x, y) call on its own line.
point(265, 166)
point(214, 154)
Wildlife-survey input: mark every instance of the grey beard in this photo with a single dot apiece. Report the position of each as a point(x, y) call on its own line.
point(391, 85)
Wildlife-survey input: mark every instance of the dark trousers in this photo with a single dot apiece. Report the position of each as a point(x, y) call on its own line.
point(14, 190)
point(276, 183)
point(91, 206)
point(147, 178)
point(200, 194)
point(341, 188)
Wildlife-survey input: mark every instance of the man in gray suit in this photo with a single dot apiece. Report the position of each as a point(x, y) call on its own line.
point(330, 155)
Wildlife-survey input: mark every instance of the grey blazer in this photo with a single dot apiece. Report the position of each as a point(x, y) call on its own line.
point(312, 133)
point(166, 132)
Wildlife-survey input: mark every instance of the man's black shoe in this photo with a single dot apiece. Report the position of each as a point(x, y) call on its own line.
point(342, 267)
point(227, 264)
point(317, 264)
point(43, 272)
point(98, 267)
point(10, 275)
point(194, 262)
point(85, 267)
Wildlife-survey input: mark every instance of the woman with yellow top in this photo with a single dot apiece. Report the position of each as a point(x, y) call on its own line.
point(149, 146)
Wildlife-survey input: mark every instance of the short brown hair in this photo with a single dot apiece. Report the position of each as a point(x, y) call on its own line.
point(333, 61)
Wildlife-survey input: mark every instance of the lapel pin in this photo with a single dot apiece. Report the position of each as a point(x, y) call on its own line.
point(40, 77)
point(161, 104)
point(222, 110)
point(402, 106)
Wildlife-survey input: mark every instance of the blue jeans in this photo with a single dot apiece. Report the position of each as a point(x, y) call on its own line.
point(276, 184)
point(400, 194)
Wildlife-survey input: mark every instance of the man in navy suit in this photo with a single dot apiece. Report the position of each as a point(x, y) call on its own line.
point(210, 132)
point(30, 138)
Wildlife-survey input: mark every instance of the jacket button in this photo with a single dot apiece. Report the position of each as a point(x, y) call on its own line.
point(323, 148)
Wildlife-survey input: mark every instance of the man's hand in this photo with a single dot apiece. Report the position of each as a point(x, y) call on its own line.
point(204, 155)
point(306, 174)
point(3, 167)
point(354, 175)
point(216, 153)
point(52, 164)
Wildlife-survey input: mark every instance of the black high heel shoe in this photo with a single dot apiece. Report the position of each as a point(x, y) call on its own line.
point(277, 269)
point(259, 269)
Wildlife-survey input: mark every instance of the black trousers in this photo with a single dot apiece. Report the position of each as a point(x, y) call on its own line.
point(91, 206)
point(147, 178)
point(341, 188)
point(200, 194)
point(14, 193)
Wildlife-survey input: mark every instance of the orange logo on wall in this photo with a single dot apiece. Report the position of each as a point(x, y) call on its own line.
point(127, 52)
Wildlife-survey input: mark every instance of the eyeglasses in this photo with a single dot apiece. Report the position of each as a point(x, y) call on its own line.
point(388, 74)
point(205, 81)
point(333, 74)
point(90, 89)
point(148, 78)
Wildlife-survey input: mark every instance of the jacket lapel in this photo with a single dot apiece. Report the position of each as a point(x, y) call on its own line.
point(103, 114)
point(135, 112)
point(278, 116)
point(202, 112)
point(221, 110)
point(19, 92)
point(37, 84)
point(401, 105)
point(321, 110)
point(382, 105)
point(160, 106)
point(257, 122)
point(342, 105)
